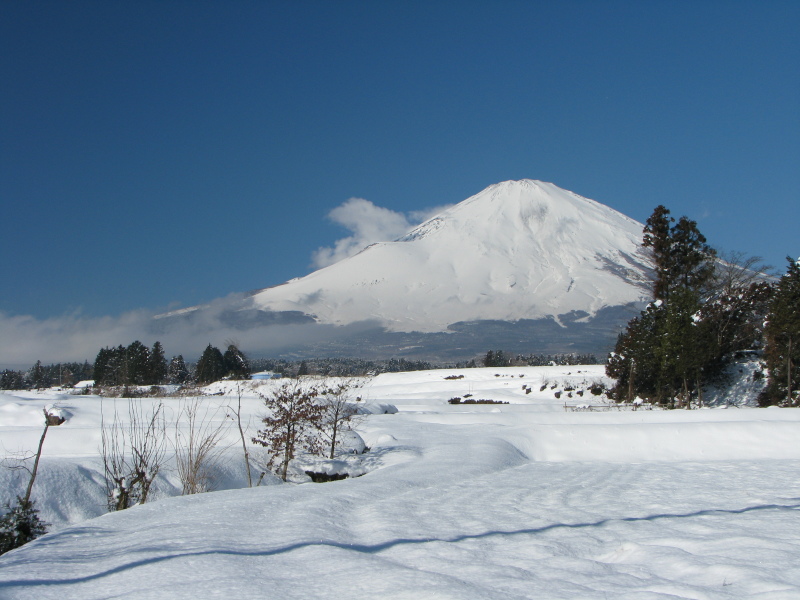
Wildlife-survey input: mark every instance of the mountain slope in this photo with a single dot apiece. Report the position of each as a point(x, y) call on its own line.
point(517, 250)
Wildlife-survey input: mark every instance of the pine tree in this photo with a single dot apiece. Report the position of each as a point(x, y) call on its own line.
point(657, 238)
point(37, 375)
point(211, 366)
point(20, 525)
point(664, 352)
point(782, 351)
point(157, 365)
point(137, 362)
point(12, 380)
point(177, 373)
point(236, 365)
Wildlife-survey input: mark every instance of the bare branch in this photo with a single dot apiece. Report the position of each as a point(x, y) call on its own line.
point(196, 445)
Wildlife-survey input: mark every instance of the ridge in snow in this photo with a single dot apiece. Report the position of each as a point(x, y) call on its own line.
point(517, 250)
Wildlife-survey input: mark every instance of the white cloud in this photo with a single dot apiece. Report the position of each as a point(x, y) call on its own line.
point(368, 224)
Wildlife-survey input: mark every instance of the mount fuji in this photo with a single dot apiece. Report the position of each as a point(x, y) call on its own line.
point(517, 250)
point(523, 266)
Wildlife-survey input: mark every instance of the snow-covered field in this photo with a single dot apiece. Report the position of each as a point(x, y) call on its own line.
point(473, 501)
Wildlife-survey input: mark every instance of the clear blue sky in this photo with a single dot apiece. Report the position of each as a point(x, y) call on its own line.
point(158, 154)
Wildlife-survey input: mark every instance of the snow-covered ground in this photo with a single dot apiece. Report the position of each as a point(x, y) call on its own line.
point(472, 501)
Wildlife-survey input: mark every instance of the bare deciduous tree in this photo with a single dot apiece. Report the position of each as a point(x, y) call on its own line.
point(292, 424)
point(339, 410)
point(735, 271)
point(19, 461)
point(132, 454)
point(237, 413)
point(198, 433)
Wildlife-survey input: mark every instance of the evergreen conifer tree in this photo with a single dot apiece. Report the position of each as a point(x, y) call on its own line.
point(662, 353)
point(20, 525)
point(211, 366)
point(235, 363)
point(157, 365)
point(782, 351)
point(37, 375)
point(137, 362)
point(177, 373)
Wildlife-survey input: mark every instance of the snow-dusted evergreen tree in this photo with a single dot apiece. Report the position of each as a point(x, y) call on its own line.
point(137, 362)
point(782, 351)
point(235, 363)
point(177, 373)
point(36, 375)
point(12, 380)
point(20, 525)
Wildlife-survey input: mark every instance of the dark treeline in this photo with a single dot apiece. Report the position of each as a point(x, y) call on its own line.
point(139, 365)
point(136, 364)
point(339, 367)
point(359, 367)
point(498, 358)
point(41, 376)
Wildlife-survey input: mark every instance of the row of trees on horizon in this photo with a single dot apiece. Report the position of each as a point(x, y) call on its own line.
point(137, 364)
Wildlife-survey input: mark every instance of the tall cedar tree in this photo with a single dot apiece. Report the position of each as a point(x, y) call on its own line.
point(662, 353)
point(137, 361)
point(37, 375)
point(782, 351)
point(177, 373)
point(211, 366)
point(157, 365)
point(111, 366)
point(134, 365)
point(235, 363)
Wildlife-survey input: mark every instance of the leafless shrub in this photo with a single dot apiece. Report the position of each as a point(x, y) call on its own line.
point(339, 410)
point(236, 413)
point(132, 454)
point(198, 433)
point(291, 425)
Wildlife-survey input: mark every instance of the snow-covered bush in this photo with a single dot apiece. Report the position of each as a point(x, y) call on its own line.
point(20, 525)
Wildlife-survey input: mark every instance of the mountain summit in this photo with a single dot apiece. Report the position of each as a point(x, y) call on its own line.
point(518, 250)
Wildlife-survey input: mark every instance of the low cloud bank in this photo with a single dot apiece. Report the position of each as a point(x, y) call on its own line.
point(75, 338)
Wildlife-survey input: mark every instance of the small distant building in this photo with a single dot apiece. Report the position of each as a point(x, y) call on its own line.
point(264, 375)
point(87, 383)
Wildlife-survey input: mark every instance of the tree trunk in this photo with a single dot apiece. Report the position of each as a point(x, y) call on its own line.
point(789, 373)
point(630, 384)
point(36, 460)
point(241, 434)
point(333, 439)
point(687, 399)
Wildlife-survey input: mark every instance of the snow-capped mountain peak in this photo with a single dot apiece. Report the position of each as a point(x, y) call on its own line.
point(517, 250)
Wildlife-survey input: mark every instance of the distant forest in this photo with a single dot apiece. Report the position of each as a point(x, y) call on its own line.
point(138, 365)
